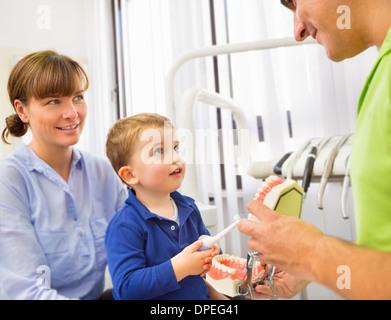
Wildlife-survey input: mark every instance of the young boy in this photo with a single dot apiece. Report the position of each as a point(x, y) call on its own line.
point(157, 222)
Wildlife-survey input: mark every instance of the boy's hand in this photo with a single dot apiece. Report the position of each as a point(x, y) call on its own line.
point(190, 261)
point(208, 261)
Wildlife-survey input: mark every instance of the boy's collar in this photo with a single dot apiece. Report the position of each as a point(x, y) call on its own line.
point(182, 202)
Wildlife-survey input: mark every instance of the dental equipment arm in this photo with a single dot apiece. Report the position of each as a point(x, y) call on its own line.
point(329, 168)
point(326, 175)
point(309, 167)
point(216, 50)
point(278, 167)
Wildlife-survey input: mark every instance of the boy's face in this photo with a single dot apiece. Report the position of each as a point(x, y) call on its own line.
point(156, 163)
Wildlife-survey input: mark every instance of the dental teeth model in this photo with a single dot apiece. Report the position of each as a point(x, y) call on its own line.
point(283, 196)
point(228, 271)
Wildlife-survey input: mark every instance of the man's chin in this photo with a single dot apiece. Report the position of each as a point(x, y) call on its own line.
point(336, 56)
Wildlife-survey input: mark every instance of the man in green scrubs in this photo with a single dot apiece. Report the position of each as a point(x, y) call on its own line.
point(300, 251)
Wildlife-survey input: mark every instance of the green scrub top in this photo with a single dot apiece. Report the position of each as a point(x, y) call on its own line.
point(371, 156)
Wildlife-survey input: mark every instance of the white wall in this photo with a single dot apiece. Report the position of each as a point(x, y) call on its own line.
point(49, 24)
point(81, 29)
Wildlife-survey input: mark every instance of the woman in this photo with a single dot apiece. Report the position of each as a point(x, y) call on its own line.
point(55, 200)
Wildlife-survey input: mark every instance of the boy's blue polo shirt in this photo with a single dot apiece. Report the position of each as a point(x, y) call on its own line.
point(140, 245)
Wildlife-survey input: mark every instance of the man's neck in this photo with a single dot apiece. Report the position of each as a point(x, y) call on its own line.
point(376, 21)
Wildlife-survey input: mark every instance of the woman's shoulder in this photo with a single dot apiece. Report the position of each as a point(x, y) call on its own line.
point(13, 163)
point(15, 176)
point(93, 162)
point(88, 156)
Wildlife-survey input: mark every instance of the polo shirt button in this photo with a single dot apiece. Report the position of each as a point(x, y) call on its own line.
point(172, 228)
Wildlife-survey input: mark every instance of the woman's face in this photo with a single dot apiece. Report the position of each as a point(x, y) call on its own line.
point(55, 121)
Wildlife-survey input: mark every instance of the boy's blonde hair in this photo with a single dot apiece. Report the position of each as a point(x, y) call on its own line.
point(124, 134)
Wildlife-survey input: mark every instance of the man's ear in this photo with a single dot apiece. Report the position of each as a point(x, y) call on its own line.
point(127, 176)
point(21, 111)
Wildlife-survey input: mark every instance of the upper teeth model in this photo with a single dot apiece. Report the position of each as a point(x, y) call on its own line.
point(283, 196)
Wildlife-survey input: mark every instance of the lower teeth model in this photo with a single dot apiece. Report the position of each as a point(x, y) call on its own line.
point(228, 271)
point(283, 196)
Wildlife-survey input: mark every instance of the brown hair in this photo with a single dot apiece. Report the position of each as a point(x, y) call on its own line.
point(124, 134)
point(40, 75)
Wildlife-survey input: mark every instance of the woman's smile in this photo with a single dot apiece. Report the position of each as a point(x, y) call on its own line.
point(69, 128)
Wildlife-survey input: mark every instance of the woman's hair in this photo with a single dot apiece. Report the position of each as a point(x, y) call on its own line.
point(124, 134)
point(40, 75)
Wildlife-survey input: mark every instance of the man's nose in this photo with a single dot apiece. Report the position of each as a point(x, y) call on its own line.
point(300, 29)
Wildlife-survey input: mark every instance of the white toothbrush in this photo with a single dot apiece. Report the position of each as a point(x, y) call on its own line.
point(208, 241)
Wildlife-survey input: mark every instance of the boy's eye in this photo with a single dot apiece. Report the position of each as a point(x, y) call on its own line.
point(79, 98)
point(158, 151)
point(176, 148)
